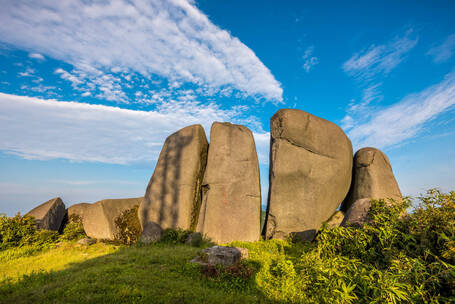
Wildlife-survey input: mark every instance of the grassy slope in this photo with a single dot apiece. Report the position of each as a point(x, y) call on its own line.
point(105, 273)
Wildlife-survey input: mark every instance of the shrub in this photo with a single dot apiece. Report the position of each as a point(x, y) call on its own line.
point(128, 227)
point(396, 257)
point(174, 236)
point(74, 230)
point(13, 230)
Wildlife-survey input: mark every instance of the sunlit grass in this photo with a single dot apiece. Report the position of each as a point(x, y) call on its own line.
point(54, 259)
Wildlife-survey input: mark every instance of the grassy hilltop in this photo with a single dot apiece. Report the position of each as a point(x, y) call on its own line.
point(395, 258)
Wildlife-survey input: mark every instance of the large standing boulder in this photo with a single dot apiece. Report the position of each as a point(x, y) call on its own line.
point(99, 218)
point(173, 195)
point(372, 179)
point(310, 174)
point(231, 193)
point(49, 215)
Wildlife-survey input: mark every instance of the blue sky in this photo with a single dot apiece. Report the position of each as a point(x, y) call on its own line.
point(89, 90)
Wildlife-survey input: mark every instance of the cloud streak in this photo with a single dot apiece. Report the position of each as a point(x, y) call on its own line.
point(443, 52)
point(172, 39)
point(399, 122)
point(380, 59)
point(35, 128)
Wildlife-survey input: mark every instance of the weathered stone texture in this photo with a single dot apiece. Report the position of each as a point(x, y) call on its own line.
point(77, 211)
point(310, 173)
point(99, 218)
point(231, 200)
point(49, 215)
point(372, 179)
point(173, 195)
point(220, 255)
point(357, 212)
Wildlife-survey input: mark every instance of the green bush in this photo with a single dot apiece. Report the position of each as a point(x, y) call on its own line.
point(13, 230)
point(128, 227)
point(74, 230)
point(174, 236)
point(396, 257)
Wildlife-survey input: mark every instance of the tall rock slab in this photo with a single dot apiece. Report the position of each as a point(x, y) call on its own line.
point(99, 218)
point(310, 174)
point(49, 215)
point(231, 193)
point(372, 179)
point(173, 195)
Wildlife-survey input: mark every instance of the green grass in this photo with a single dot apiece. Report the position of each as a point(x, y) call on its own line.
point(105, 273)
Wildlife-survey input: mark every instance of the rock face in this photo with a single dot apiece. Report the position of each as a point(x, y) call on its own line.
point(173, 195)
point(358, 212)
point(99, 218)
point(49, 215)
point(310, 174)
point(372, 179)
point(151, 233)
point(220, 255)
point(77, 211)
point(231, 194)
point(336, 219)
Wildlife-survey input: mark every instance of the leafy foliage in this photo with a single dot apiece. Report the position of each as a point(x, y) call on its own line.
point(175, 236)
point(128, 227)
point(74, 230)
point(16, 230)
point(396, 257)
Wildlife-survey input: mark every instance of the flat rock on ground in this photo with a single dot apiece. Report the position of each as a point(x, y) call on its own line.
point(220, 255)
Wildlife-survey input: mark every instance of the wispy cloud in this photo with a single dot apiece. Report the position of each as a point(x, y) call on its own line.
point(443, 52)
point(36, 56)
point(380, 59)
point(172, 39)
point(47, 129)
point(399, 122)
point(309, 60)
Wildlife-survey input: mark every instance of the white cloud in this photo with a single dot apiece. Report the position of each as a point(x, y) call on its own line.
point(309, 60)
point(445, 51)
point(399, 122)
point(169, 38)
point(75, 81)
point(380, 59)
point(46, 129)
point(29, 72)
point(36, 56)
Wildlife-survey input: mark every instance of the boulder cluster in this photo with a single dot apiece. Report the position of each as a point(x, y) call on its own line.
point(214, 189)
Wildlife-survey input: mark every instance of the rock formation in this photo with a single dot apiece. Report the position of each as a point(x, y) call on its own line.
point(220, 255)
point(372, 179)
point(49, 215)
point(173, 195)
point(310, 173)
point(99, 218)
point(231, 194)
point(76, 212)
